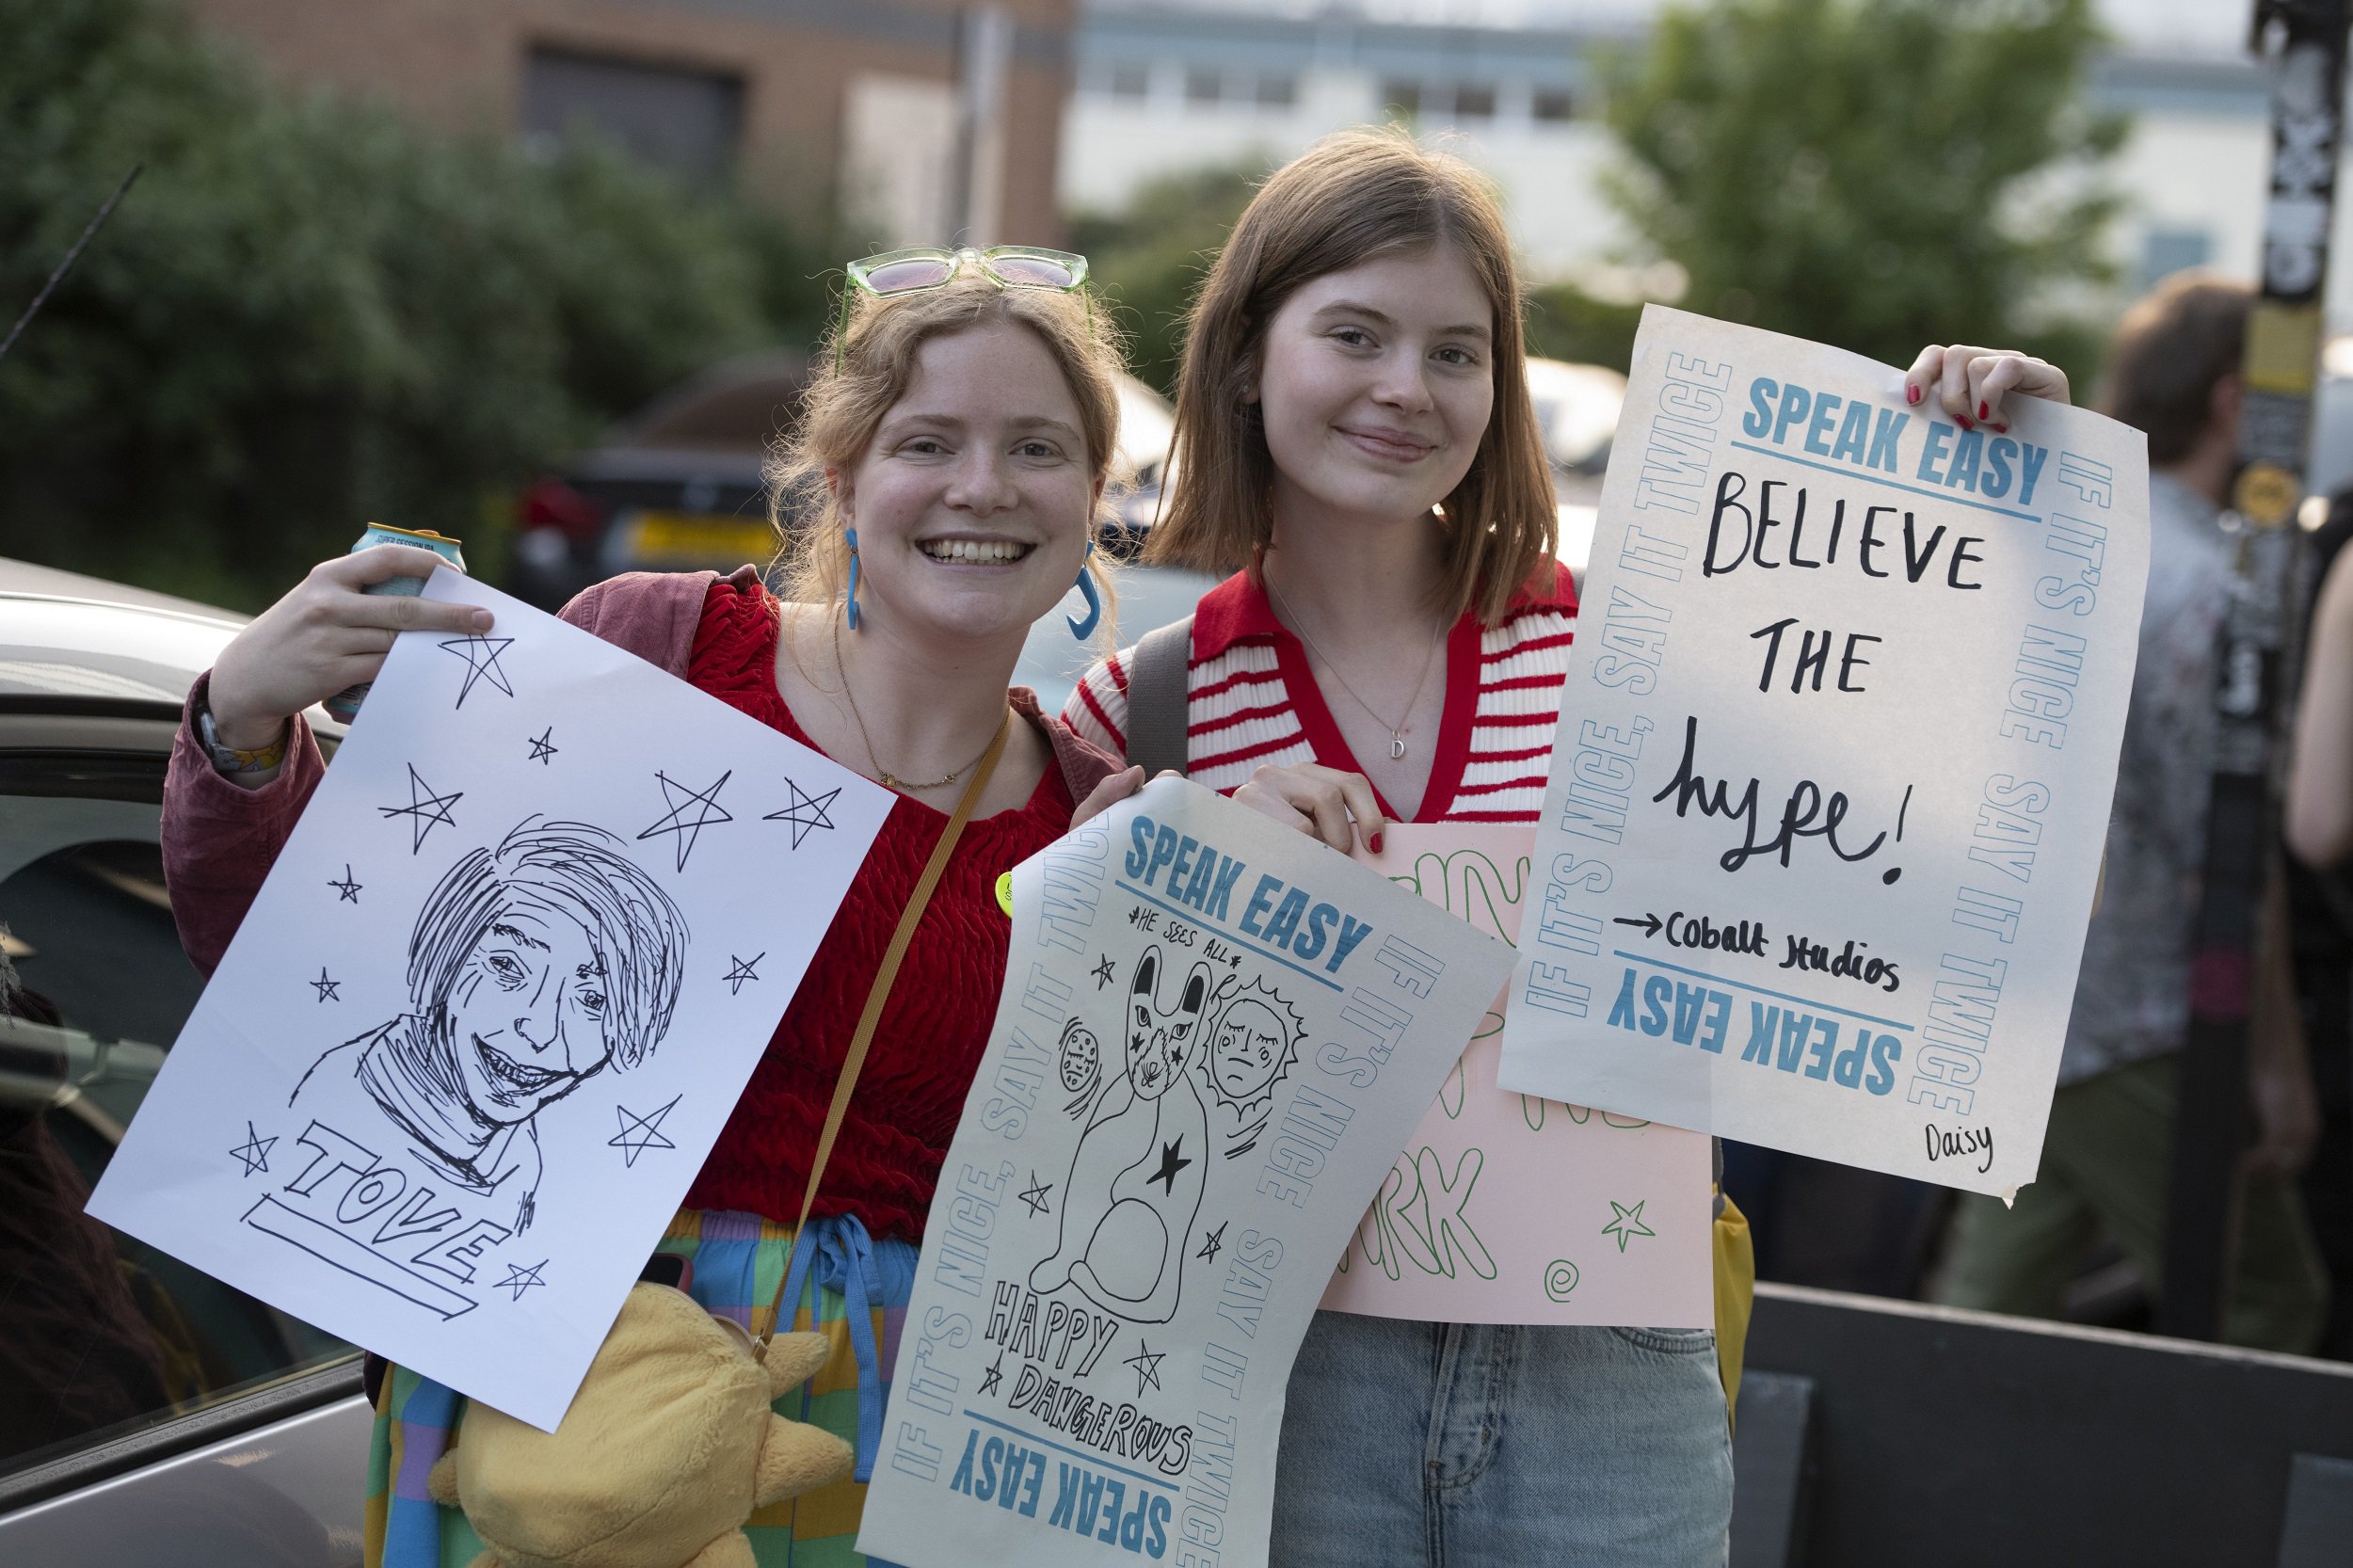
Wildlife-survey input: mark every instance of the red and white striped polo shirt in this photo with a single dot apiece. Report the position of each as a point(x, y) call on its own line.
point(1253, 700)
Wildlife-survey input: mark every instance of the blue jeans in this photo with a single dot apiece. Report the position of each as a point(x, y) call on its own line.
point(1464, 1446)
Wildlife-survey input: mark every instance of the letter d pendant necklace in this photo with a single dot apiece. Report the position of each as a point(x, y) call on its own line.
point(1396, 731)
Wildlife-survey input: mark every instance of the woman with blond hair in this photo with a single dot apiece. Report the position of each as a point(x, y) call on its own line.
point(955, 443)
point(1356, 445)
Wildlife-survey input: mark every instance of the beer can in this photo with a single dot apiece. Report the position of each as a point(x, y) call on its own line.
point(346, 703)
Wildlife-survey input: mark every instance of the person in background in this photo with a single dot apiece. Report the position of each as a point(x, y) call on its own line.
point(2173, 373)
point(2319, 818)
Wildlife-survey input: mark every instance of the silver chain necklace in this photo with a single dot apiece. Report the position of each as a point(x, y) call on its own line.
point(1396, 731)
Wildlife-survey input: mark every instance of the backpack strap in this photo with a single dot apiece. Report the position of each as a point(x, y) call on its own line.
point(1157, 701)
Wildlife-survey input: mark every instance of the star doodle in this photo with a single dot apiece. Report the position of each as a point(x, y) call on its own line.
point(424, 811)
point(994, 1375)
point(347, 890)
point(254, 1152)
point(1102, 972)
point(704, 804)
point(742, 971)
point(1170, 1165)
point(482, 663)
point(1211, 1245)
point(1036, 1196)
point(540, 749)
point(519, 1279)
point(807, 813)
point(328, 991)
point(640, 1133)
point(1627, 1223)
point(1146, 1363)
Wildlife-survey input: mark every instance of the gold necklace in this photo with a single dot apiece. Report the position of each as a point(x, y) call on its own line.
point(883, 776)
point(1396, 731)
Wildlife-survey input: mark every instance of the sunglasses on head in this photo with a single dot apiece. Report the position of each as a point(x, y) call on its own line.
point(928, 266)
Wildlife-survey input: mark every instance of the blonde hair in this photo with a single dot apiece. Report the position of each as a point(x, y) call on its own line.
point(846, 403)
point(1354, 196)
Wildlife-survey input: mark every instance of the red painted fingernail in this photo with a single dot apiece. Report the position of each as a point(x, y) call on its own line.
point(1982, 411)
point(1376, 844)
point(2003, 429)
point(1966, 423)
point(1912, 395)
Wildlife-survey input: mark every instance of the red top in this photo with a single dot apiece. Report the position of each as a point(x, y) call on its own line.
point(935, 1024)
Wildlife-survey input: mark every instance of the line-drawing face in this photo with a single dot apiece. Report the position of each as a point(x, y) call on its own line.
point(533, 965)
point(1253, 1042)
point(1136, 1180)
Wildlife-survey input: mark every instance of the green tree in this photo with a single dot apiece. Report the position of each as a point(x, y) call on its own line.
point(1872, 173)
point(308, 314)
point(1149, 258)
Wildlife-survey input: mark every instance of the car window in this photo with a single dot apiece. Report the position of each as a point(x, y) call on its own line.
point(100, 1334)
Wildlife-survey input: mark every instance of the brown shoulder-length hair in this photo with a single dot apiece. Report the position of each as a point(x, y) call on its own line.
point(1354, 196)
point(846, 402)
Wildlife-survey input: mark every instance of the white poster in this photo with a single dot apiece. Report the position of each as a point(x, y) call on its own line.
point(494, 1004)
point(1215, 1037)
point(1511, 1208)
point(1835, 760)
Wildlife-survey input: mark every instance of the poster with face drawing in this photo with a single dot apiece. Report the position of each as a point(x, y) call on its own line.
point(1511, 1208)
point(1835, 760)
point(1214, 1037)
point(493, 1005)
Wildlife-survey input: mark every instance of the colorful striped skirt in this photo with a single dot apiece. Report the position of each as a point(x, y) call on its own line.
point(736, 1263)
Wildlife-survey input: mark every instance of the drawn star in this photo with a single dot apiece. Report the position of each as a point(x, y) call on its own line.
point(328, 991)
point(807, 813)
point(1170, 1165)
point(994, 1375)
point(254, 1152)
point(1627, 1223)
point(519, 1279)
point(540, 749)
point(742, 971)
point(1102, 972)
point(1148, 1365)
point(704, 804)
point(1211, 1243)
point(346, 892)
point(482, 663)
point(1036, 1196)
point(425, 810)
point(640, 1133)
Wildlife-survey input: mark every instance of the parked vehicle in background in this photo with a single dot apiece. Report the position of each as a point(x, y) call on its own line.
point(1577, 408)
point(678, 486)
point(147, 1411)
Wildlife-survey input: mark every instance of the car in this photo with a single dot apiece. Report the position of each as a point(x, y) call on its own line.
point(141, 1402)
point(678, 485)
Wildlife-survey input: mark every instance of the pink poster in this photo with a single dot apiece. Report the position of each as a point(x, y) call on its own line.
point(1506, 1208)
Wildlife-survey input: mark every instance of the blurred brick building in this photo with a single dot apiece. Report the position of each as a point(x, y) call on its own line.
point(924, 119)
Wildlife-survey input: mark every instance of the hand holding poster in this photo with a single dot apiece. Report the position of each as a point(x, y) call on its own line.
point(493, 1005)
point(1510, 1208)
point(1835, 760)
point(1215, 1034)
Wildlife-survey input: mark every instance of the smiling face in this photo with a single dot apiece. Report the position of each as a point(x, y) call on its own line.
point(527, 1015)
point(1375, 384)
point(973, 500)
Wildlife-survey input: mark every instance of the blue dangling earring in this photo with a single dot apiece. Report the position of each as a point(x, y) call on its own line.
point(851, 534)
point(1082, 630)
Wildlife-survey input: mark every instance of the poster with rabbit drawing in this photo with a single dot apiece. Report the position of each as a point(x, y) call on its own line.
point(493, 1005)
point(1215, 1035)
point(1510, 1208)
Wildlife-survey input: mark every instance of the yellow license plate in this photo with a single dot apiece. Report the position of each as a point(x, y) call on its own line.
point(684, 539)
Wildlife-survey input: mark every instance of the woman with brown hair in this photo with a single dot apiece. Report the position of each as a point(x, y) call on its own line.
point(1355, 444)
point(955, 452)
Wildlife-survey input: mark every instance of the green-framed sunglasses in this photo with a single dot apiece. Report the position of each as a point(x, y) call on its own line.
point(928, 266)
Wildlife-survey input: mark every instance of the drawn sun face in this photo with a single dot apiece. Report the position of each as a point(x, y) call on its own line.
point(1249, 1051)
point(526, 1018)
point(1081, 1054)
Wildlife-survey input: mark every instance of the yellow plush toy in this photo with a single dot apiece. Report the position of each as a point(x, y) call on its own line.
point(667, 1449)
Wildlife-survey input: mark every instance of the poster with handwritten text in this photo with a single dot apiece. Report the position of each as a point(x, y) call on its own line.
point(1215, 1035)
point(1834, 762)
point(1512, 1208)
